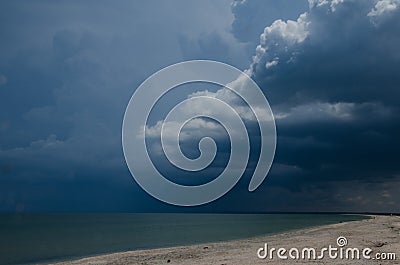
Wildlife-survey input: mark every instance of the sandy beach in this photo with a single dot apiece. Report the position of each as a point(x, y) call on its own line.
point(381, 234)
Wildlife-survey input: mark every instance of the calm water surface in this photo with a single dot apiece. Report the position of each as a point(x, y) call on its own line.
point(29, 238)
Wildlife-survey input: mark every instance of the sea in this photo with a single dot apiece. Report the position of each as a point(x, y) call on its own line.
point(48, 237)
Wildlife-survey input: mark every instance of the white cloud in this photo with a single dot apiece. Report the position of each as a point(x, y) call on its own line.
point(340, 111)
point(195, 128)
point(280, 37)
point(384, 6)
point(319, 3)
point(251, 17)
point(272, 63)
point(289, 32)
point(294, 58)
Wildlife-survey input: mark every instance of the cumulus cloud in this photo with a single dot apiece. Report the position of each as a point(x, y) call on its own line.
point(328, 55)
point(332, 79)
point(333, 84)
point(383, 6)
point(251, 16)
point(279, 37)
point(328, 68)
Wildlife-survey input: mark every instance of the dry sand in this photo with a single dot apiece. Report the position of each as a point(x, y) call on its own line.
point(380, 233)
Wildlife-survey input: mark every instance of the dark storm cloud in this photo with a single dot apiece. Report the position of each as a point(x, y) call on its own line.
point(67, 71)
point(329, 55)
point(332, 77)
point(215, 46)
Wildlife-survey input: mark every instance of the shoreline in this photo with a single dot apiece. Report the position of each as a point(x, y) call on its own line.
point(381, 233)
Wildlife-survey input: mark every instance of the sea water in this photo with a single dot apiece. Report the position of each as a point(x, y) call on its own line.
point(32, 238)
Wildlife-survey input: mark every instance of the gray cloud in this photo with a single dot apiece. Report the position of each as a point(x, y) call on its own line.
point(332, 79)
point(331, 75)
point(70, 70)
point(328, 55)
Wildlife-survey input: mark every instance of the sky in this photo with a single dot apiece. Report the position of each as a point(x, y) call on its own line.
point(329, 68)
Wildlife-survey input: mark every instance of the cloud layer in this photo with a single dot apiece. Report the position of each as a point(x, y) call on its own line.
point(330, 70)
point(333, 80)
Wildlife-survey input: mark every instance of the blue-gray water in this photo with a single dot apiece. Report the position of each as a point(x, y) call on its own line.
point(26, 238)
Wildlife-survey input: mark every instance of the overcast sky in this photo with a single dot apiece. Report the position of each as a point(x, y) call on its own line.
point(330, 70)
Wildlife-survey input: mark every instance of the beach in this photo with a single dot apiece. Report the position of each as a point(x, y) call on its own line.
point(380, 234)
